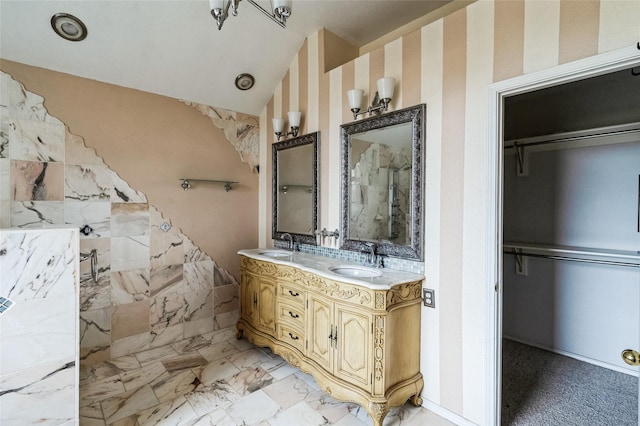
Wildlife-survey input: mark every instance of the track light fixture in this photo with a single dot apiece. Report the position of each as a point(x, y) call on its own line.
point(281, 10)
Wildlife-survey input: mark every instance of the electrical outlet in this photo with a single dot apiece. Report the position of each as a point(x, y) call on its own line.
point(429, 297)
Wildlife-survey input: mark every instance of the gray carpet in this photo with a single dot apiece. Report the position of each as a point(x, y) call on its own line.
point(543, 388)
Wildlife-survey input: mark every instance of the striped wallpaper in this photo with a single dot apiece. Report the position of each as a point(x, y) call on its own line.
point(448, 65)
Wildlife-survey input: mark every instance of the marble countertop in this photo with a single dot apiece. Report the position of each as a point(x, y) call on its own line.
point(321, 265)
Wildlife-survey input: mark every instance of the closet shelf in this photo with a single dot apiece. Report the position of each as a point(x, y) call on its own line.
point(186, 183)
point(572, 253)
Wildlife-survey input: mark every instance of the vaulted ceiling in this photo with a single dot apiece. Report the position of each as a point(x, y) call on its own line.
point(174, 48)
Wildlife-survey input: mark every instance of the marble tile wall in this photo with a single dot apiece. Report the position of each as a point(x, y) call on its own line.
point(154, 285)
point(39, 351)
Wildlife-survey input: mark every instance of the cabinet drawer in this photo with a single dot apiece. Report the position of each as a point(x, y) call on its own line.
point(291, 314)
point(291, 336)
point(290, 294)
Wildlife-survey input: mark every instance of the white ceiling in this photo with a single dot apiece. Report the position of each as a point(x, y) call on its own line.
point(174, 48)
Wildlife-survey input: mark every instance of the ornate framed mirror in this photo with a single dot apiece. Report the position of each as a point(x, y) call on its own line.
point(382, 183)
point(295, 188)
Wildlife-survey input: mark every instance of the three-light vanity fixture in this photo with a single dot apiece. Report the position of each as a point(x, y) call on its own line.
point(294, 122)
point(380, 101)
point(220, 10)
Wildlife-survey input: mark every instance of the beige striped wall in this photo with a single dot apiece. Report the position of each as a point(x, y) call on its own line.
point(448, 65)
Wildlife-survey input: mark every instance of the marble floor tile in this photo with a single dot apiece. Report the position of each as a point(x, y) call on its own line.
point(425, 417)
point(130, 345)
point(330, 408)
point(241, 385)
point(250, 380)
point(142, 376)
point(104, 370)
point(401, 415)
point(309, 379)
point(253, 409)
point(218, 370)
point(156, 354)
point(299, 414)
point(172, 385)
point(181, 362)
point(173, 413)
point(351, 421)
point(283, 371)
point(217, 417)
point(91, 415)
point(217, 351)
point(128, 403)
point(216, 394)
point(254, 358)
point(127, 421)
point(126, 362)
point(289, 391)
point(100, 390)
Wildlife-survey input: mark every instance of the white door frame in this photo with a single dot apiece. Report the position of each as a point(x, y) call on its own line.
point(590, 67)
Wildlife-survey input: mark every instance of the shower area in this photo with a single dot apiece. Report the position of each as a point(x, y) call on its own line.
point(90, 272)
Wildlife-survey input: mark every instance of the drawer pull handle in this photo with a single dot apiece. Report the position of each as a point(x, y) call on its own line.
point(293, 337)
point(294, 315)
point(294, 294)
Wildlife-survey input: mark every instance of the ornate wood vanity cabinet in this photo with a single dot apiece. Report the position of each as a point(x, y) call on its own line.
point(361, 344)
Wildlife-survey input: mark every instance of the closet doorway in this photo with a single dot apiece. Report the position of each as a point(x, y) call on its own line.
point(567, 300)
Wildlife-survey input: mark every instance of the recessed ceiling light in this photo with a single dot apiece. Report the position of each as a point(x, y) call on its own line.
point(68, 27)
point(245, 81)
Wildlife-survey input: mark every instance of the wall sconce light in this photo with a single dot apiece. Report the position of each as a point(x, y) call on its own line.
point(380, 101)
point(294, 122)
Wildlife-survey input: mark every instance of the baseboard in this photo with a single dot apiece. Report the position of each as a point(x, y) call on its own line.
point(577, 357)
point(446, 414)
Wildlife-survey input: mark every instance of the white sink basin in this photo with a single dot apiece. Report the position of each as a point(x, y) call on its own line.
point(275, 253)
point(355, 271)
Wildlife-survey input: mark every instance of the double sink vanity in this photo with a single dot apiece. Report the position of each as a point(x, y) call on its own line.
point(354, 327)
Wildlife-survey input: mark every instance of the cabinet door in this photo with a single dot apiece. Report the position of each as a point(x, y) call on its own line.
point(319, 333)
point(266, 314)
point(248, 296)
point(354, 352)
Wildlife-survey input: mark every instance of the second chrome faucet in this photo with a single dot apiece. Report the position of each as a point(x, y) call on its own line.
point(373, 258)
point(290, 242)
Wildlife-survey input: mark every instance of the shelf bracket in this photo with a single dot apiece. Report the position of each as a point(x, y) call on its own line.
point(523, 160)
point(521, 262)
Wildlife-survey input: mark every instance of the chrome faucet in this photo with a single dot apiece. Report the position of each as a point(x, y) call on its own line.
point(290, 244)
point(373, 259)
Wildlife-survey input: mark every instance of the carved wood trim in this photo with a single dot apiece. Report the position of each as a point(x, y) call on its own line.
point(404, 293)
point(378, 347)
point(380, 300)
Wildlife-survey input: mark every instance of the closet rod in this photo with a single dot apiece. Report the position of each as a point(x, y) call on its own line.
point(515, 143)
point(573, 259)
